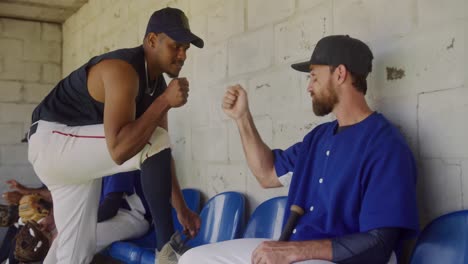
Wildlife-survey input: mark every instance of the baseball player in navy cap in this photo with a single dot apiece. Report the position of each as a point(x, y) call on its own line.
point(354, 178)
point(110, 116)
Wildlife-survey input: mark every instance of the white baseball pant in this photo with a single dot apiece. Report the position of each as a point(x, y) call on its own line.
point(71, 161)
point(237, 251)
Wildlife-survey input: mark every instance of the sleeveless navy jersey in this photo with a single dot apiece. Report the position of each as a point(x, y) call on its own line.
point(71, 104)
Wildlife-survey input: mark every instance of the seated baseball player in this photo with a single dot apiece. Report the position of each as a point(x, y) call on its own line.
point(33, 204)
point(355, 177)
point(122, 214)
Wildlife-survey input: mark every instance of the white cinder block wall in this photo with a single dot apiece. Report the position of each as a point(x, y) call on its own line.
point(419, 80)
point(30, 65)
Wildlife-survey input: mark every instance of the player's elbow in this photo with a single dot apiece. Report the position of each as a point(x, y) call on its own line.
point(118, 159)
point(268, 180)
point(264, 184)
point(117, 156)
point(116, 152)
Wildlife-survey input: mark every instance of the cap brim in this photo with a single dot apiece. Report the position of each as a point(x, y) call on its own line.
point(302, 66)
point(185, 36)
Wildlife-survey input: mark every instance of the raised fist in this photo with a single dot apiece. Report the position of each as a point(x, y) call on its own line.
point(235, 103)
point(177, 92)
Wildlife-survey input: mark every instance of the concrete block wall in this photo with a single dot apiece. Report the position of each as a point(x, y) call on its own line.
point(31, 57)
point(419, 81)
point(30, 65)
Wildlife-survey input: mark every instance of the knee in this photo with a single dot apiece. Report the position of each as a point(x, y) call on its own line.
point(183, 259)
point(190, 256)
point(158, 142)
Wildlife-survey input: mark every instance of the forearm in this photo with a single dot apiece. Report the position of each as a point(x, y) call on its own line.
point(292, 251)
point(259, 155)
point(314, 249)
point(177, 199)
point(132, 137)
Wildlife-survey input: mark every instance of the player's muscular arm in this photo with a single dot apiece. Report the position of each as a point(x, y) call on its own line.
point(125, 135)
point(258, 154)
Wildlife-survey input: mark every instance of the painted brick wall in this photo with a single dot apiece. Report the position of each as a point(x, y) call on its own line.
point(30, 65)
point(419, 80)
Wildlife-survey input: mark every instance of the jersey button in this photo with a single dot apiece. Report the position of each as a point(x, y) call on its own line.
point(311, 208)
point(328, 153)
point(294, 231)
point(321, 180)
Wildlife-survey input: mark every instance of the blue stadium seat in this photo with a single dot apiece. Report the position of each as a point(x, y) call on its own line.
point(267, 219)
point(142, 249)
point(147, 257)
point(222, 219)
point(444, 240)
point(127, 252)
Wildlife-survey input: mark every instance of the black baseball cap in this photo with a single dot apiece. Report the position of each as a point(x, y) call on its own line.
point(340, 49)
point(174, 23)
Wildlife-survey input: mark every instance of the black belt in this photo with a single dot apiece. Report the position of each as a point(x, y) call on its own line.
point(32, 130)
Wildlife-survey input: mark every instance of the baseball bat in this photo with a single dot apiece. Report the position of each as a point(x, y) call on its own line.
point(296, 212)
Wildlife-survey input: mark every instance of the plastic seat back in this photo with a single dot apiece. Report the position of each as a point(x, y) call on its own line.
point(222, 219)
point(267, 219)
point(444, 240)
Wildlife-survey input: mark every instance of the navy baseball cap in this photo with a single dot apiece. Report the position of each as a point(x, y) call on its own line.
point(340, 49)
point(174, 23)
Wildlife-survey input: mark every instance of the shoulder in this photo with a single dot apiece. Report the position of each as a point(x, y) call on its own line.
point(116, 74)
point(386, 134)
point(386, 144)
point(116, 67)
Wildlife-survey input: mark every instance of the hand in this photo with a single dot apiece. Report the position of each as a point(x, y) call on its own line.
point(14, 185)
point(177, 92)
point(12, 198)
point(190, 221)
point(271, 252)
point(235, 103)
point(47, 224)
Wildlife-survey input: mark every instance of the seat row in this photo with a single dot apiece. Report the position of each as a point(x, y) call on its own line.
point(444, 240)
point(222, 219)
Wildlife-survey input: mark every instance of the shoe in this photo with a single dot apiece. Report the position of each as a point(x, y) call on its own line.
point(167, 255)
point(179, 244)
point(172, 250)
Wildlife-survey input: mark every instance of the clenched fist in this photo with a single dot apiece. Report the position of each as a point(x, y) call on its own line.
point(177, 92)
point(235, 103)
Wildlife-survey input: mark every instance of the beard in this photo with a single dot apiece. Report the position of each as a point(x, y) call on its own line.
point(324, 105)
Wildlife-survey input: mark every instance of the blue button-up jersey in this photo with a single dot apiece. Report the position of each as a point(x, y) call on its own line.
point(354, 181)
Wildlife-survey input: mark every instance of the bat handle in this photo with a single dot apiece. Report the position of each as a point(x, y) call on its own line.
point(296, 213)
